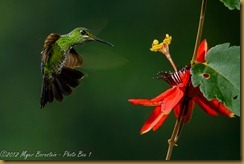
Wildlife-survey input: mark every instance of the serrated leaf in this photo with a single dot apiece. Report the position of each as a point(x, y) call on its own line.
point(232, 4)
point(219, 76)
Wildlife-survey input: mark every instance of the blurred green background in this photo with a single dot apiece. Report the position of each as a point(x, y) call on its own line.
point(98, 119)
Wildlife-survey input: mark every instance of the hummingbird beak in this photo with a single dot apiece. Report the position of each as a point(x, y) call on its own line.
point(103, 41)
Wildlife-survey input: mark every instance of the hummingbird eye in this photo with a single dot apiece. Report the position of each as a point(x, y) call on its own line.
point(83, 32)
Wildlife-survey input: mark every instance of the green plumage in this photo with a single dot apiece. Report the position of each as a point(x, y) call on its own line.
point(58, 63)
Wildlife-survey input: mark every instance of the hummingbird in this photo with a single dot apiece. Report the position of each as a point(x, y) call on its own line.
point(59, 61)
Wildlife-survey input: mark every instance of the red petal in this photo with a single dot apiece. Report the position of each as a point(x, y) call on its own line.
point(160, 122)
point(177, 109)
point(155, 101)
point(164, 94)
point(189, 112)
point(222, 109)
point(216, 106)
point(172, 100)
point(144, 102)
point(153, 120)
point(225, 111)
point(206, 105)
point(168, 103)
point(202, 50)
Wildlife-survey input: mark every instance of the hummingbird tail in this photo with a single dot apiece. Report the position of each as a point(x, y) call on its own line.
point(59, 85)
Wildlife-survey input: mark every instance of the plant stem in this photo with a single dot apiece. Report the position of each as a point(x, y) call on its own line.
point(199, 31)
point(178, 125)
point(172, 141)
point(184, 108)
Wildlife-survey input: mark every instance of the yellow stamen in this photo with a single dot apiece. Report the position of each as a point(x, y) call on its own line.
point(156, 47)
point(167, 39)
point(155, 41)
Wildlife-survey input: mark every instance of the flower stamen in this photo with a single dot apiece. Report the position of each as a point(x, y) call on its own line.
point(163, 48)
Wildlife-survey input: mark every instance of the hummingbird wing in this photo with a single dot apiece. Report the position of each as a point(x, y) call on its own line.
point(73, 59)
point(49, 90)
point(48, 43)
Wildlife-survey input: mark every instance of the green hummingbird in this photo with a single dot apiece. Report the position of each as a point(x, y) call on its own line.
point(58, 62)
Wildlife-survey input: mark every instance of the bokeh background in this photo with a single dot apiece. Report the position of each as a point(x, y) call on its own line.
point(98, 119)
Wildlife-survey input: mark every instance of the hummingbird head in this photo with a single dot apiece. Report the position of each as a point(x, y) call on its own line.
point(86, 35)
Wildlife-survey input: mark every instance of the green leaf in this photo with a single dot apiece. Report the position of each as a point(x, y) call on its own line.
point(232, 4)
point(219, 76)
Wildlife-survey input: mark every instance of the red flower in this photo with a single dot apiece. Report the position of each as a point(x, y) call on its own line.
point(181, 94)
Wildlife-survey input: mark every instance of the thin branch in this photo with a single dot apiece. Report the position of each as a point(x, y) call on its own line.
point(178, 125)
point(172, 141)
point(184, 108)
point(199, 31)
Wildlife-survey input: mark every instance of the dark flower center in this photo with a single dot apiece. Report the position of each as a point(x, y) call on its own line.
point(173, 78)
